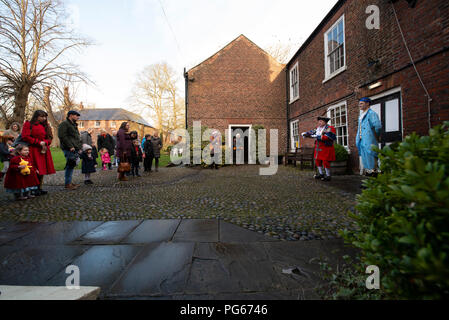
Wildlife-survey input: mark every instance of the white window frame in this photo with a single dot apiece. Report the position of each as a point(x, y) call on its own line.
point(113, 124)
point(292, 137)
point(81, 124)
point(333, 107)
point(294, 71)
point(328, 74)
point(97, 126)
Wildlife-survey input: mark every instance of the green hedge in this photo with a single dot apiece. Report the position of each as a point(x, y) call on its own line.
point(403, 218)
point(341, 153)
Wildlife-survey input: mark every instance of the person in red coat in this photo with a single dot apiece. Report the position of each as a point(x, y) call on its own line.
point(325, 136)
point(21, 179)
point(37, 133)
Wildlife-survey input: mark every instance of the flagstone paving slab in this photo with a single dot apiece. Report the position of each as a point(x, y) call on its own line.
point(223, 267)
point(197, 231)
point(12, 231)
point(99, 266)
point(56, 233)
point(152, 231)
point(34, 266)
point(160, 268)
point(109, 232)
point(230, 233)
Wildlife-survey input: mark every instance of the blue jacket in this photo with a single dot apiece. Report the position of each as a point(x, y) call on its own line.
point(369, 124)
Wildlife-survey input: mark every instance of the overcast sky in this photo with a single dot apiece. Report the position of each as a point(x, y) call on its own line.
point(131, 34)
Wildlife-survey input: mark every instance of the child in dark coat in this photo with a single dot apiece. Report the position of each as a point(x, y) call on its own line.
point(89, 163)
point(136, 158)
point(6, 153)
point(21, 177)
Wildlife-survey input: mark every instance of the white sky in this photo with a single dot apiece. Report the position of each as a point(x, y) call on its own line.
point(131, 34)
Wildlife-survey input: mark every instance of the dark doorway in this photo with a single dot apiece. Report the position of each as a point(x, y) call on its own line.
point(390, 113)
point(243, 137)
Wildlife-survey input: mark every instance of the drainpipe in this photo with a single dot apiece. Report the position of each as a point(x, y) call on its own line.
point(287, 104)
point(186, 101)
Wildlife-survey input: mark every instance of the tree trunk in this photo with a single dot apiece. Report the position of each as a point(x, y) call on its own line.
point(51, 117)
point(67, 102)
point(20, 103)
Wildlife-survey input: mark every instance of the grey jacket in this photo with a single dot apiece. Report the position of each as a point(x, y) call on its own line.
point(86, 138)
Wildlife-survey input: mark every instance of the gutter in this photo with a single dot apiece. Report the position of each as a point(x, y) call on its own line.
point(186, 100)
point(287, 87)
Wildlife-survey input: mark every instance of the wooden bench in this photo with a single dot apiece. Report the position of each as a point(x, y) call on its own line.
point(302, 155)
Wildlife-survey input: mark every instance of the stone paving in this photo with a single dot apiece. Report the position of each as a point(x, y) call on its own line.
point(164, 259)
point(290, 205)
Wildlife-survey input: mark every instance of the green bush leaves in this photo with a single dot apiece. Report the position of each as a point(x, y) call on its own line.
point(403, 217)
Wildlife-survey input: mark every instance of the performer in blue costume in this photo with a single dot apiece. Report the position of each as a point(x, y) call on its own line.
point(368, 134)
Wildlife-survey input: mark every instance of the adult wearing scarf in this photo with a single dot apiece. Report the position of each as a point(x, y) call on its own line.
point(37, 133)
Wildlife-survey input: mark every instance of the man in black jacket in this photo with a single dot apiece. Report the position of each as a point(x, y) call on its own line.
point(69, 137)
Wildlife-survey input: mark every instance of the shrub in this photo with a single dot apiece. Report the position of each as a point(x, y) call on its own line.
point(403, 218)
point(341, 153)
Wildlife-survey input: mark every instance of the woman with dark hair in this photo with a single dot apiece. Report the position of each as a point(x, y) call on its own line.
point(124, 147)
point(37, 133)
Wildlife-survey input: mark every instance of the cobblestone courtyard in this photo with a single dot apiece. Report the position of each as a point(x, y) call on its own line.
point(290, 205)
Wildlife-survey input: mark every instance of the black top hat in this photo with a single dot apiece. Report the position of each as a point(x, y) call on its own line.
point(325, 119)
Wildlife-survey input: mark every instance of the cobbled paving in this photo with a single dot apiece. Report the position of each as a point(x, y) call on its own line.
point(290, 205)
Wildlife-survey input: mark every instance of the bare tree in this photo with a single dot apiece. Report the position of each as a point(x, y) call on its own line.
point(280, 51)
point(156, 90)
point(34, 43)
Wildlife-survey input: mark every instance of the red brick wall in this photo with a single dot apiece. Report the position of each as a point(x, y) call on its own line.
point(426, 31)
point(239, 85)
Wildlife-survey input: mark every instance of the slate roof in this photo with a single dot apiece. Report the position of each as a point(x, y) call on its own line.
point(109, 114)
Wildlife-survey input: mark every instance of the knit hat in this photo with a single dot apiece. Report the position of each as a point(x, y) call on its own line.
point(86, 147)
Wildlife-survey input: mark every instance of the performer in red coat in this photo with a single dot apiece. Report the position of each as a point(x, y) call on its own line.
point(37, 133)
point(325, 136)
point(21, 179)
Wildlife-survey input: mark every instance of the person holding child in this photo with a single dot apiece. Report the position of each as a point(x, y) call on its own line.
point(89, 163)
point(6, 153)
point(22, 176)
point(105, 159)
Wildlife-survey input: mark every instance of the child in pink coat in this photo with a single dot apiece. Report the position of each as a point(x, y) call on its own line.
point(105, 158)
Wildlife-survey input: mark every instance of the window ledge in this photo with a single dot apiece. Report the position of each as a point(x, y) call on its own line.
point(335, 74)
point(294, 100)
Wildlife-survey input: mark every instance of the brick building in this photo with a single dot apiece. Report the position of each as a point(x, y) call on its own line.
point(110, 120)
point(343, 60)
point(240, 86)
